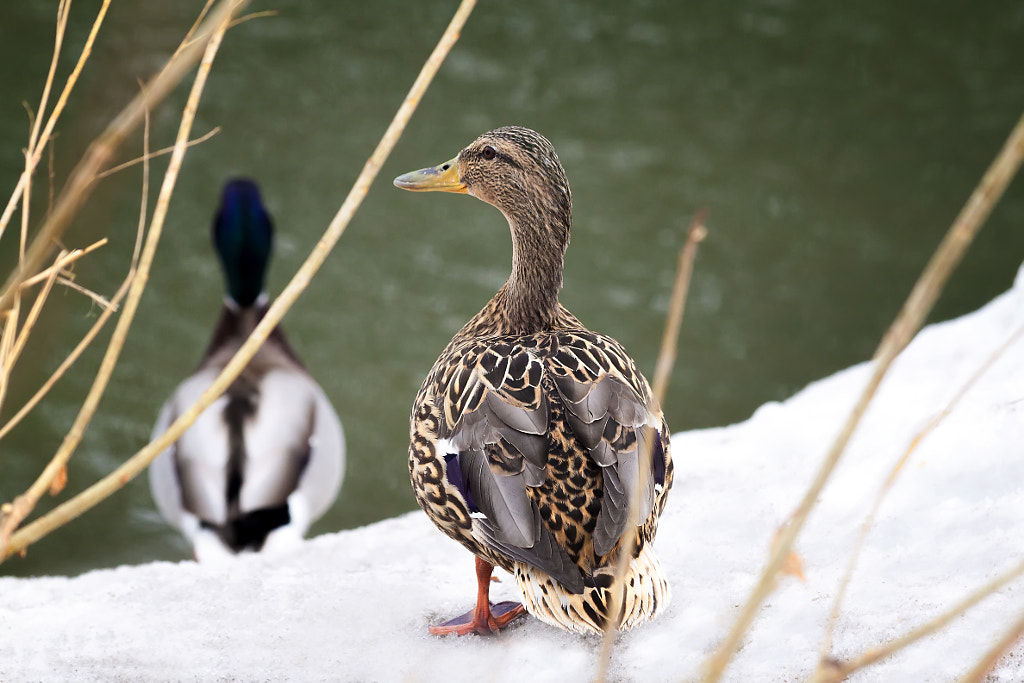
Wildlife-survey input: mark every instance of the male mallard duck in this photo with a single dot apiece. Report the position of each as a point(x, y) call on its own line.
point(530, 432)
point(267, 458)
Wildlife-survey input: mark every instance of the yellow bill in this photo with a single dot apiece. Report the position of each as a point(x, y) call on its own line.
point(443, 178)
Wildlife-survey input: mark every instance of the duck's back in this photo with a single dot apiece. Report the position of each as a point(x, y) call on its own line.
point(269, 452)
point(526, 447)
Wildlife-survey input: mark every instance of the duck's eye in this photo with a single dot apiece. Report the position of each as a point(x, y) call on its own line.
point(489, 152)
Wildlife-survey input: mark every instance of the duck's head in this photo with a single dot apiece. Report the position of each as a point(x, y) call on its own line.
point(243, 235)
point(514, 169)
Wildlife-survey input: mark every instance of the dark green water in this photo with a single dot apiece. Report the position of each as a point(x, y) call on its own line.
point(833, 144)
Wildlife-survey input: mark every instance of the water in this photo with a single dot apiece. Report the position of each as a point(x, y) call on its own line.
point(832, 144)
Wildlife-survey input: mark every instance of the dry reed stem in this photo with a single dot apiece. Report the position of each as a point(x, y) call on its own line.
point(138, 462)
point(254, 15)
point(677, 305)
point(7, 341)
point(71, 284)
point(54, 116)
point(62, 262)
point(663, 372)
point(838, 671)
point(187, 40)
point(51, 176)
point(63, 10)
point(153, 155)
point(25, 503)
point(82, 179)
point(37, 306)
point(826, 647)
point(68, 361)
point(10, 351)
point(899, 334)
point(980, 670)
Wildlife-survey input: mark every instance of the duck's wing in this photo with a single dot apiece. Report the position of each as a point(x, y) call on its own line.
point(493, 436)
point(609, 407)
point(315, 461)
point(189, 478)
point(163, 479)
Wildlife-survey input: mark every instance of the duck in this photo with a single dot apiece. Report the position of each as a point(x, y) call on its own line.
point(267, 458)
point(530, 434)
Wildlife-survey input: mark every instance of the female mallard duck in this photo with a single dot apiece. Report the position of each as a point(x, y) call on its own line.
point(267, 458)
point(531, 432)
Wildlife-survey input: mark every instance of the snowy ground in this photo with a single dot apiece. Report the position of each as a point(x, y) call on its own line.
point(354, 606)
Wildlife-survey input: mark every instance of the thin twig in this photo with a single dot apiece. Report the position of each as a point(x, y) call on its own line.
point(30, 321)
point(31, 158)
point(840, 670)
point(677, 305)
point(62, 263)
point(82, 180)
point(826, 647)
point(7, 340)
point(48, 130)
point(71, 284)
point(906, 325)
point(153, 155)
point(140, 229)
point(662, 374)
point(254, 15)
point(981, 669)
point(69, 361)
point(51, 175)
point(63, 11)
point(138, 462)
point(24, 504)
point(108, 311)
point(187, 40)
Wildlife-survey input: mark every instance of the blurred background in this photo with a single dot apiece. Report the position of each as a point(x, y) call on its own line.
point(832, 143)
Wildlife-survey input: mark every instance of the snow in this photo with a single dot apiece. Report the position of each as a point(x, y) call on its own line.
point(354, 606)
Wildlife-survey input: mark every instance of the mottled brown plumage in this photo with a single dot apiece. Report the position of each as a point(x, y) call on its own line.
point(530, 431)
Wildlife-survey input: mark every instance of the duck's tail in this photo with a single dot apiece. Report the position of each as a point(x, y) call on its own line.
point(643, 594)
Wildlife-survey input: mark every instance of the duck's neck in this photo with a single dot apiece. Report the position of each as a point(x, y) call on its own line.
point(528, 301)
point(235, 325)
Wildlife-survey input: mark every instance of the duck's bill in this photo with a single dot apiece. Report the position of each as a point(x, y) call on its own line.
point(443, 178)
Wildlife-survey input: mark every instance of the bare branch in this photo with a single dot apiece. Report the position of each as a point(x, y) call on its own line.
point(153, 155)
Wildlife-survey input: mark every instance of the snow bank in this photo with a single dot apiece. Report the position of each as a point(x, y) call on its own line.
point(355, 605)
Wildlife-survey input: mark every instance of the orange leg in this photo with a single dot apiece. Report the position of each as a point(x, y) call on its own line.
point(485, 618)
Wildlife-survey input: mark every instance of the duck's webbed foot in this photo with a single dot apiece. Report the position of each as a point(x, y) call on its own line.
point(486, 618)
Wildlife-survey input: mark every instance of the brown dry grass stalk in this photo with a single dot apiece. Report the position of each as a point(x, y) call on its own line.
point(82, 180)
point(899, 334)
point(153, 155)
point(25, 503)
point(32, 157)
point(138, 462)
point(838, 671)
point(62, 262)
point(662, 374)
point(14, 340)
point(83, 344)
point(826, 661)
point(979, 671)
